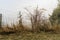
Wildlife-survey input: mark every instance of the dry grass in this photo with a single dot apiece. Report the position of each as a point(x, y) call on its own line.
point(30, 36)
point(13, 28)
point(18, 33)
point(56, 28)
point(17, 28)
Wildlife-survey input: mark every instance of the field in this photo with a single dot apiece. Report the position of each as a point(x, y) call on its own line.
point(18, 33)
point(29, 36)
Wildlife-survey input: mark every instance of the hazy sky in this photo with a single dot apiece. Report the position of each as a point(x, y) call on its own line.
point(10, 8)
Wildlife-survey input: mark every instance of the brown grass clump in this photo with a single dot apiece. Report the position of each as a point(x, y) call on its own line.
point(56, 28)
point(13, 28)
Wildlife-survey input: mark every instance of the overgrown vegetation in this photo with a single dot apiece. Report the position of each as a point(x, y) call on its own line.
point(55, 19)
point(37, 22)
point(42, 29)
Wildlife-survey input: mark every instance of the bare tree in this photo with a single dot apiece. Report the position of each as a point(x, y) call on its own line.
point(35, 19)
point(20, 21)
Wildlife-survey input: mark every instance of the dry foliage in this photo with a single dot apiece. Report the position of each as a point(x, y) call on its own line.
point(35, 19)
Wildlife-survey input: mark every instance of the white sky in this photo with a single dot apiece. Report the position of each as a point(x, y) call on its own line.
point(10, 8)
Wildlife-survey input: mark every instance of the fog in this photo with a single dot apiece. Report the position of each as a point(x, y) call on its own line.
point(11, 8)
